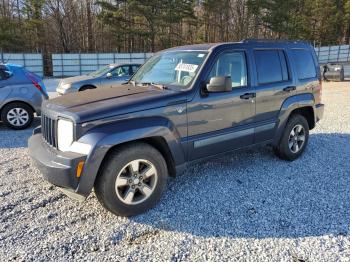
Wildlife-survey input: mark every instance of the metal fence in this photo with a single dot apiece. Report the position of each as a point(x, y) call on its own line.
point(60, 65)
point(32, 62)
point(333, 54)
point(78, 64)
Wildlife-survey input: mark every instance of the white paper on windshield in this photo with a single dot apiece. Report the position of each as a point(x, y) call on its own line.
point(200, 55)
point(186, 67)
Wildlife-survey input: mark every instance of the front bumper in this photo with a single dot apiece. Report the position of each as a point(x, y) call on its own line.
point(319, 110)
point(58, 168)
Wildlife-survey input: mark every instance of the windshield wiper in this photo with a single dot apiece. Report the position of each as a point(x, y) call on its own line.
point(160, 86)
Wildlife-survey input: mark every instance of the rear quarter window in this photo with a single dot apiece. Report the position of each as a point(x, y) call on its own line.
point(304, 63)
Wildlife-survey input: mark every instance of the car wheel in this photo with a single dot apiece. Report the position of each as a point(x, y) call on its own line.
point(294, 138)
point(17, 115)
point(131, 179)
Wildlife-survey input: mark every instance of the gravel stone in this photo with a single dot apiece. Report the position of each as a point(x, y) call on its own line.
point(248, 205)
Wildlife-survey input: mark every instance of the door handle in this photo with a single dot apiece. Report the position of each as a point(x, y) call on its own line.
point(247, 96)
point(289, 88)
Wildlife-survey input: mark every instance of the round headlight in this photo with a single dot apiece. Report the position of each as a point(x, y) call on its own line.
point(65, 131)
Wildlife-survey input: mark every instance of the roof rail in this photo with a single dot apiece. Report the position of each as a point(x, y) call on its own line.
point(253, 40)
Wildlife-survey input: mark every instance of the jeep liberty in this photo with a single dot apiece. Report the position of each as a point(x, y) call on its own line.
point(184, 105)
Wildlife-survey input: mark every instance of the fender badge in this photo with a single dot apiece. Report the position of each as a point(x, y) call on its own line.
point(180, 109)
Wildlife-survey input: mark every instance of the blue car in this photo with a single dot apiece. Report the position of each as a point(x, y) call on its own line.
point(21, 95)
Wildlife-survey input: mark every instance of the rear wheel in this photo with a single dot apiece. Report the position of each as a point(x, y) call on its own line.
point(294, 139)
point(17, 115)
point(131, 179)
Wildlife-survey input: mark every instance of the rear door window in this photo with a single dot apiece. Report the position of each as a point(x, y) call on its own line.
point(271, 66)
point(284, 65)
point(304, 63)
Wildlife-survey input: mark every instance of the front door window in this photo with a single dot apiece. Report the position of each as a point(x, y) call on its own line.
point(233, 65)
point(120, 71)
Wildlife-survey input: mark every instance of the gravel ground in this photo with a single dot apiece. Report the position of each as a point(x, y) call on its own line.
point(246, 206)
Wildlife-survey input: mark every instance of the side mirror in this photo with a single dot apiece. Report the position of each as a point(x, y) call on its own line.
point(7, 74)
point(109, 75)
point(219, 84)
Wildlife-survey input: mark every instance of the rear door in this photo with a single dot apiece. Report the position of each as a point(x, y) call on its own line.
point(274, 83)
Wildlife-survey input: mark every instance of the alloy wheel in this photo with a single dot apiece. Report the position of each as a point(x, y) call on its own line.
point(296, 138)
point(136, 182)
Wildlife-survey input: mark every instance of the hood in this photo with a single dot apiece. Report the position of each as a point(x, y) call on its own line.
point(112, 101)
point(70, 80)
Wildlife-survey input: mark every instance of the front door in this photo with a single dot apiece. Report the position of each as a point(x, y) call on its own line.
point(220, 122)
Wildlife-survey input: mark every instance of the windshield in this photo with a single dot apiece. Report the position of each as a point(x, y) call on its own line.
point(173, 68)
point(101, 71)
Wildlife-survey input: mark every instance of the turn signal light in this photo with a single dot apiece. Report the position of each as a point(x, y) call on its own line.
point(80, 168)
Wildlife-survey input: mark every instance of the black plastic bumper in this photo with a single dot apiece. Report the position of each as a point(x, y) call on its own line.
point(59, 168)
point(319, 111)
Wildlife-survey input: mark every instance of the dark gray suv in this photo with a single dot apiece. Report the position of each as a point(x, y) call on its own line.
point(184, 105)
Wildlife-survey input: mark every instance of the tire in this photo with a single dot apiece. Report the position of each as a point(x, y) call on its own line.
point(291, 147)
point(17, 115)
point(83, 88)
point(116, 178)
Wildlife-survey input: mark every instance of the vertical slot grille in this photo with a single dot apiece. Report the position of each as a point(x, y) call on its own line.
point(48, 128)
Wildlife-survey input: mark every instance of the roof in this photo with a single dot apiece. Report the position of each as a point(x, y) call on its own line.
point(122, 64)
point(211, 46)
point(197, 47)
point(274, 41)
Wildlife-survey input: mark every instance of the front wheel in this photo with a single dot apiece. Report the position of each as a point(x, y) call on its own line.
point(294, 139)
point(17, 115)
point(132, 179)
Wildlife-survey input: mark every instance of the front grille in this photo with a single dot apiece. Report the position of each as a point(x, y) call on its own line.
point(49, 130)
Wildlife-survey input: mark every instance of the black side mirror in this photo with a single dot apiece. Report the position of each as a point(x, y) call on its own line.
point(8, 74)
point(220, 84)
point(5, 74)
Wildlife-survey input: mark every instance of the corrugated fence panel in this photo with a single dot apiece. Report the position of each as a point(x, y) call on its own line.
point(77, 64)
point(333, 54)
point(32, 62)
